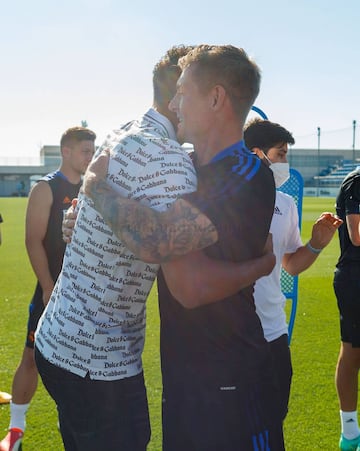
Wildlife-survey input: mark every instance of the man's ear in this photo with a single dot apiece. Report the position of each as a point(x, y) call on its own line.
point(65, 151)
point(218, 95)
point(258, 152)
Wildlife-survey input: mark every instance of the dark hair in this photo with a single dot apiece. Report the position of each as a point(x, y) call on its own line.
point(265, 134)
point(166, 73)
point(76, 134)
point(230, 67)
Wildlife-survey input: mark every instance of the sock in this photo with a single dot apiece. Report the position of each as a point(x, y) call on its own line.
point(17, 415)
point(349, 424)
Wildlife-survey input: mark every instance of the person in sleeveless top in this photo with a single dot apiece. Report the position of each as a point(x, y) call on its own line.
point(49, 198)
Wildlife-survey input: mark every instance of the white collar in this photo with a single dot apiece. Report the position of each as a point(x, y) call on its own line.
point(163, 121)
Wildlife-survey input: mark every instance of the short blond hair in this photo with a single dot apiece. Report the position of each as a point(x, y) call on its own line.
point(76, 134)
point(228, 66)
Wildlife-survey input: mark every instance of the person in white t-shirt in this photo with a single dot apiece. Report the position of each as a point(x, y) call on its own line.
point(89, 341)
point(270, 142)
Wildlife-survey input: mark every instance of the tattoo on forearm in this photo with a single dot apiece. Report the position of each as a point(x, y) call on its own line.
point(149, 234)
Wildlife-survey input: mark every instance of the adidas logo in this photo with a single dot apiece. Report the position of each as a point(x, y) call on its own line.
point(66, 200)
point(277, 211)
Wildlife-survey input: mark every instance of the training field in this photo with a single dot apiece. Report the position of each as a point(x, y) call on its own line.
point(313, 419)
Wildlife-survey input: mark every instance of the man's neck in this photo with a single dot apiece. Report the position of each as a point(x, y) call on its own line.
point(215, 143)
point(72, 176)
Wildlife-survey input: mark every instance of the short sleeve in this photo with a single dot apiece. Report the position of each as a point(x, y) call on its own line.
point(153, 171)
point(166, 176)
point(294, 238)
point(352, 197)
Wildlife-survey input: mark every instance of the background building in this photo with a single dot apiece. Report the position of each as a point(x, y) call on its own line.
point(322, 169)
point(17, 176)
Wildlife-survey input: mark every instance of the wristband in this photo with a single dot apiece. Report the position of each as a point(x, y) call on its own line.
point(313, 249)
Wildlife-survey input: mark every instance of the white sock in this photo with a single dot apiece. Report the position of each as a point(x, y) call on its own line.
point(349, 424)
point(17, 415)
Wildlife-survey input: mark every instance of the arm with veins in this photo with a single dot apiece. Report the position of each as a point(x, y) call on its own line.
point(195, 279)
point(151, 235)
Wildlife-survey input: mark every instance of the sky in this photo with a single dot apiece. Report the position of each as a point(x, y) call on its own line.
point(72, 60)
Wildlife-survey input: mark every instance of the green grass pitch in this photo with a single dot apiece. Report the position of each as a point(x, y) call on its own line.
point(313, 419)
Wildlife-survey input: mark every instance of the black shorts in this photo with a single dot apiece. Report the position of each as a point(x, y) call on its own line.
point(201, 417)
point(347, 291)
point(97, 414)
point(36, 309)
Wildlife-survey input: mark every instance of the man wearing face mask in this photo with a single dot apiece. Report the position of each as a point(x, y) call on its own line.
point(270, 142)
